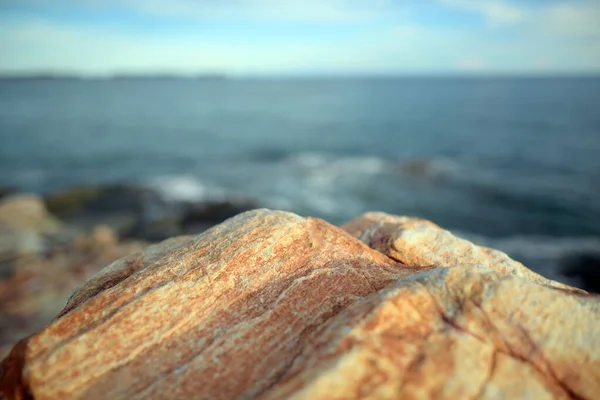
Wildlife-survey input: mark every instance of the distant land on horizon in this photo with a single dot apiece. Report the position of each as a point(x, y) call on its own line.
point(4, 76)
point(116, 76)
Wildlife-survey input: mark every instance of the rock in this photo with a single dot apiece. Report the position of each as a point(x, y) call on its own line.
point(196, 217)
point(24, 225)
point(158, 229)
point(422, 169)
point(585, 268)
point(15, 244)
point(103, 236)
point(6, 191)
point(415, 241)
point(270, 305)
point(25, 212)
point(101, 239)
point(121, 207)
point(453, 333)
point(130, 211)
point(34, 289)
point(140, 213)
point(266, 268)
point(71, 201)
point(97, 199)
point(417, 167)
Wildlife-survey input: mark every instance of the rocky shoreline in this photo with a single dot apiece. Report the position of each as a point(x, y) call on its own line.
point(271, 305)
point(51, 244)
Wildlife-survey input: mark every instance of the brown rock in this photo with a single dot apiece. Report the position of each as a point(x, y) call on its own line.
point(34, 289)
point(23, 222)
point(270, 305)
point(103, 236)
point(22, 212)
point(453, 333)
point(415, 241)
point(101, 239)
point(242, 295)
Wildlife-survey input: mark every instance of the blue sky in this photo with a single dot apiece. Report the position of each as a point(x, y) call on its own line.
point(248, 37)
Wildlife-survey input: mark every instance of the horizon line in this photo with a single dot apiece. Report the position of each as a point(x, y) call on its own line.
point(58, 75)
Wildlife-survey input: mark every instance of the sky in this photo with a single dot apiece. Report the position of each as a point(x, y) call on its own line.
point(290, 37)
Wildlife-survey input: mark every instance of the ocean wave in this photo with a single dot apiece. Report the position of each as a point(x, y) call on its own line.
point(185, 188)
point(340, 164)
point(336, 164)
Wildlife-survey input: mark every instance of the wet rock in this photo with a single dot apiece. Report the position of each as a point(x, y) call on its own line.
point(197, 217)
point(269, 305)
point(421, 169)
point(585, 268)
point(141, 213)
point(158, 229)
point(6, 191)
point(98, 199)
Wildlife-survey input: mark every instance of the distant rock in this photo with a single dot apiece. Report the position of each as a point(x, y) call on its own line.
point(24, 225)
point(122, 207)
point(7, 191)
point(25, 212)
point(421, 169)
point(585, 268)
point(97, 199)
point(139, 212)
point(196, 217)
point(33, 289)
point(269, 305)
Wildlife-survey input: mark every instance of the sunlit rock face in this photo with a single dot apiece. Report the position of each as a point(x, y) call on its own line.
point(270, 305)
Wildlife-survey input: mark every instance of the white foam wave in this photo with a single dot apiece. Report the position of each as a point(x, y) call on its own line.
point(331, 162)
point(184, 188)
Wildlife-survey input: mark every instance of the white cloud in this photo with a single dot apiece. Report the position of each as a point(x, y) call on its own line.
point(556, 38)
point(571, 19)
point(494, 11)
point(558, 17)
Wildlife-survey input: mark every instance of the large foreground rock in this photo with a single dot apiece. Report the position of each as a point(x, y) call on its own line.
point(271, 305)
point(418, 242)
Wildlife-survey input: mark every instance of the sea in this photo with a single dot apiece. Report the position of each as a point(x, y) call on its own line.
point(509, 162)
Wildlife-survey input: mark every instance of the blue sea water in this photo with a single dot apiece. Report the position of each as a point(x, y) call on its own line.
point(499, 159)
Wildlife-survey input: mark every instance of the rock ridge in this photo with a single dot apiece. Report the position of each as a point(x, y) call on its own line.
point(271, 305)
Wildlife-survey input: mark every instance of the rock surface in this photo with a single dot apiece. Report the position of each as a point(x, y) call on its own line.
point(33, 288)
point(24, 223)
point(140, 212)
point(415, 241)
point(270, 305)
point(458, 333)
